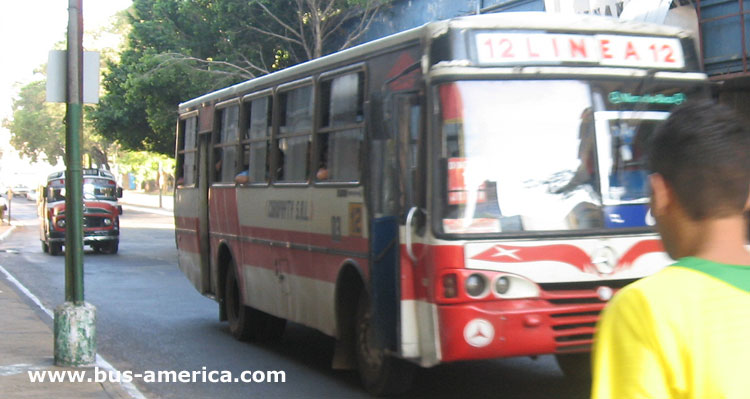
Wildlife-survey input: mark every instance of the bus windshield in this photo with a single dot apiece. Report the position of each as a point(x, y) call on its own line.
point(99, 189)
point(548, 155)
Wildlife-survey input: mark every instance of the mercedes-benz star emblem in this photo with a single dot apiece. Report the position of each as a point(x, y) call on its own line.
point(479, 333)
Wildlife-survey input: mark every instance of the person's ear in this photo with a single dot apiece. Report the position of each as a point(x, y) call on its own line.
point(661, 194)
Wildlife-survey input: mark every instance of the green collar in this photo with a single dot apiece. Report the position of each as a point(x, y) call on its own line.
point(738, 276)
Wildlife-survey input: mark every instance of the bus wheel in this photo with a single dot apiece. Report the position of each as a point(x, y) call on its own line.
point(111, 247)
point(238, 315)
point(381, 374)
point(576, 366)
point(45, 247)
point(55, 248)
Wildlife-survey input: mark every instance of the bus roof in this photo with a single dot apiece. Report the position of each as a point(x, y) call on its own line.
point(501, 21)
point(89, 172)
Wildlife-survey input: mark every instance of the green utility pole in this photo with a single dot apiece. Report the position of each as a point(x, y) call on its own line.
point(73, 174)
point(75, 320)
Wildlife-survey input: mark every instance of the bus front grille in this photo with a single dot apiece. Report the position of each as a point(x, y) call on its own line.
point(579, 305)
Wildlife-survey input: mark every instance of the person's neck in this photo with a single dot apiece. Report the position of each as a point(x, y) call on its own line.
point(720, 240)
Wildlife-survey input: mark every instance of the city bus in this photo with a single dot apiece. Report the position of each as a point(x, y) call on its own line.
point(101, 212)
point(469, 189)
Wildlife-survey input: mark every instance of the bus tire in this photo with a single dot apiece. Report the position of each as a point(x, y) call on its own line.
point(239, 316)
point(111, 247)
point(576, 366)
point(381, 373)
point(55, 248)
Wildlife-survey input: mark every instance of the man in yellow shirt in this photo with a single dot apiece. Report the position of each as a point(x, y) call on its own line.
point(685, 331)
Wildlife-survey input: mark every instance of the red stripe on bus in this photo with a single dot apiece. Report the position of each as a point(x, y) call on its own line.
point(186, 223)
point(188, 241)
point(636, 251)
point(297, 262)
point(222, 205)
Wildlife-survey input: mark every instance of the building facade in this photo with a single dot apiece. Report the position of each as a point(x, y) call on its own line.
point(720, 26)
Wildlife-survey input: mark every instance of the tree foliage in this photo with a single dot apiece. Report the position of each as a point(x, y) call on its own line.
point(38, 130)
point(175, 50)
point(36, 127)
point(179, 49)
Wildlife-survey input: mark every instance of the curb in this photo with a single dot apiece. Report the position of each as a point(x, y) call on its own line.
point(6, 233)
point(121, 390)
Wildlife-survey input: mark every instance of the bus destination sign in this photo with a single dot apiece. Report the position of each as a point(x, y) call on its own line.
point(605, 50)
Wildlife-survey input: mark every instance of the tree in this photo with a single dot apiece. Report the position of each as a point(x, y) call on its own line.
point(38, 131)
point(36, 127)
point(177, 50)
point(319, 27)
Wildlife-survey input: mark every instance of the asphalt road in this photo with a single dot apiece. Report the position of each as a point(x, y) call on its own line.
point(150, 318)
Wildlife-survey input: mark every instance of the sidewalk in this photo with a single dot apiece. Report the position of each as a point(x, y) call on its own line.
point(149, 200)
point(26, 345)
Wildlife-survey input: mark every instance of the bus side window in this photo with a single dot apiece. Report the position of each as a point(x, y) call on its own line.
point(295, 135)
point(341, 130)
point(226, 140)
point(186, 151)
point(256, 139)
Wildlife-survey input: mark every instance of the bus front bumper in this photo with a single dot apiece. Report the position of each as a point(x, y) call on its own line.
point(520, 327)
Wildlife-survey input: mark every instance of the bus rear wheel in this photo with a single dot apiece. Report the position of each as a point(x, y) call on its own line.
point(240, 317)
point(381, 373)
point(110, 247)
point(55, 248)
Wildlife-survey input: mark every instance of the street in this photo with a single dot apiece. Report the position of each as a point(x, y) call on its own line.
point(149, 318)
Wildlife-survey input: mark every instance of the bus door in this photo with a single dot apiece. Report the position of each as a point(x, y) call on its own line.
point(399, 195)
point(204, 159)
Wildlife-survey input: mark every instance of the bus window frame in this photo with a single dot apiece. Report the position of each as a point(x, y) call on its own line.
point(216, 140)
point(181, 151)
point(246, 102)
point(276, 134)
point(362, 71)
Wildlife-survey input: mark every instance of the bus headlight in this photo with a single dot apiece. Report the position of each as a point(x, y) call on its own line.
point(510, 286)
point(502, 285)
point(60, 223)
point(476, 285)
point(107, 222)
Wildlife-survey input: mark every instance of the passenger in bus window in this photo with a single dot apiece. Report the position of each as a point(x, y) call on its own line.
point(217, 170)
point(242, 177)
point(586, 214)
point(322, 173)
point(585, 174)
point(684, 332)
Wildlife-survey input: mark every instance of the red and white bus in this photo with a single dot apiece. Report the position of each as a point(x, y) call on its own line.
point(469, 189)
point(101, 212)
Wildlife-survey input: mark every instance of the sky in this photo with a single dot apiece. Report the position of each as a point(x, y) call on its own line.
point(29, 29)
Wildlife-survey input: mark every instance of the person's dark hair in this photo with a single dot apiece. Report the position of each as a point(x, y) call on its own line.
point(703, 152)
